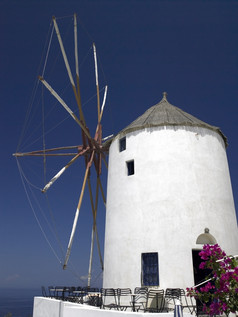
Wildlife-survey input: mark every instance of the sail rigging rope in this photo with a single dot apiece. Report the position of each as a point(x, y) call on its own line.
point(48, 50)
point(50, 111)
point(34, 90)
point(23, 177)
point(44, 165)
point(43, 137)
point(33, 195)
point(37, 219)
point(67, 116)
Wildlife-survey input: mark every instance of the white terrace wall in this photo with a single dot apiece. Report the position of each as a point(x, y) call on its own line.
point(47, 307)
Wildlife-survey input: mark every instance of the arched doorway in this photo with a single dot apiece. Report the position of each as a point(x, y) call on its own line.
point(201, 275)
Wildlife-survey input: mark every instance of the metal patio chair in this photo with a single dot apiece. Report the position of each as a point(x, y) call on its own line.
point(109, 298)
point(79, 293)
point(92, 296)
point(71, 297)
point(124, 298)
point(60, 292)
point(155, 301)
point(51, 291)
point(139, 298)
point(171, 295)
point(43, 291)
point(187, 302)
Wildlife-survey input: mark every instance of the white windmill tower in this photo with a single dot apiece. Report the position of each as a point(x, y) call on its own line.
point(168, 185)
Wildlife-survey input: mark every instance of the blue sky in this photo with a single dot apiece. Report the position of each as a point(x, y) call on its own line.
point(187, 48)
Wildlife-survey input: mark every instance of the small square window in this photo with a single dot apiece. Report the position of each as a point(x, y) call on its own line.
point(122, 144)
point(130, 168)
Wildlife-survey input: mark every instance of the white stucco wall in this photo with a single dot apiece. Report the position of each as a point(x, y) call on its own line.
point(47, 307)
point(180, 187)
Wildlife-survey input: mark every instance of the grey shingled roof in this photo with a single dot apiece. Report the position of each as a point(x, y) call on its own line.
point(165, 114)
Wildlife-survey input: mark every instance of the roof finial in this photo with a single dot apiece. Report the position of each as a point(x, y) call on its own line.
point(165, 96)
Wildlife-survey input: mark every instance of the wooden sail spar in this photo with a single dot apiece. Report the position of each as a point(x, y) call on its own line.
point(92, 148)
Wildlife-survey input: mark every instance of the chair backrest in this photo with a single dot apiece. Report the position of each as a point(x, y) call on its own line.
point(109, 291)
point(85, 289)
point(155, 300)
point(157, 292)
point(51, 291)
point(140, 290)
point(187, 302)
point(71, 290)
point(43, 291)
point(124, 291)
point(124, 296)
point(109, 296)
point(93, 289)
point(173, 293)
point(141, 295)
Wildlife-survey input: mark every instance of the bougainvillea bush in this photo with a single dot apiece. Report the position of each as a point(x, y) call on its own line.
point(220, 294)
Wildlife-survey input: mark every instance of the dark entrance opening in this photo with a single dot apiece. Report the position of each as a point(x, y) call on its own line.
point(199, 276)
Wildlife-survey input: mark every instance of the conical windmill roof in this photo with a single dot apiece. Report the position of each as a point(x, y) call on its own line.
point(165, 114)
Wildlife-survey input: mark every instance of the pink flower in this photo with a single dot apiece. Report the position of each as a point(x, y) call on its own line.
point(202, 265)
point(223, 306)
point(214, 309)
point(225, 276)
point(207, 287)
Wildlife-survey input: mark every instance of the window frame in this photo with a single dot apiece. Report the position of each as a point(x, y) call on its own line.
point(122, 144)
point(150, 278)
point(130, 165)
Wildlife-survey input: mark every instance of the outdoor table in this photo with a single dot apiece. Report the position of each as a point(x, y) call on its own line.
point(59, 290)
point(80, 294)
point(94, 298)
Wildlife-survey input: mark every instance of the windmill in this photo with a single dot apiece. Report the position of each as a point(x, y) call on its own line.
point(92, 148)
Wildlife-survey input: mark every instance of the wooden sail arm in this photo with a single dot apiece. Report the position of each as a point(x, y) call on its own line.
point(98, 134)
point(104, 159)
point(68, 69)
point(77, 212)
point(99, 166)
point(94, 144)
point(77, 69)
point(94, 229)
point(99, 250)
point(63, 51)
point(95, 224)
point(103, 103)
point(102, 192)
point(91, 258)
point(61, 101)
point(98, 157)
point(96, 78)
point(95, 161)
point(76, 52)
point(93, 233)
point(43, 154)
point(46, 152)
point(100, 117)
point(51, 182)
point(84, 139)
